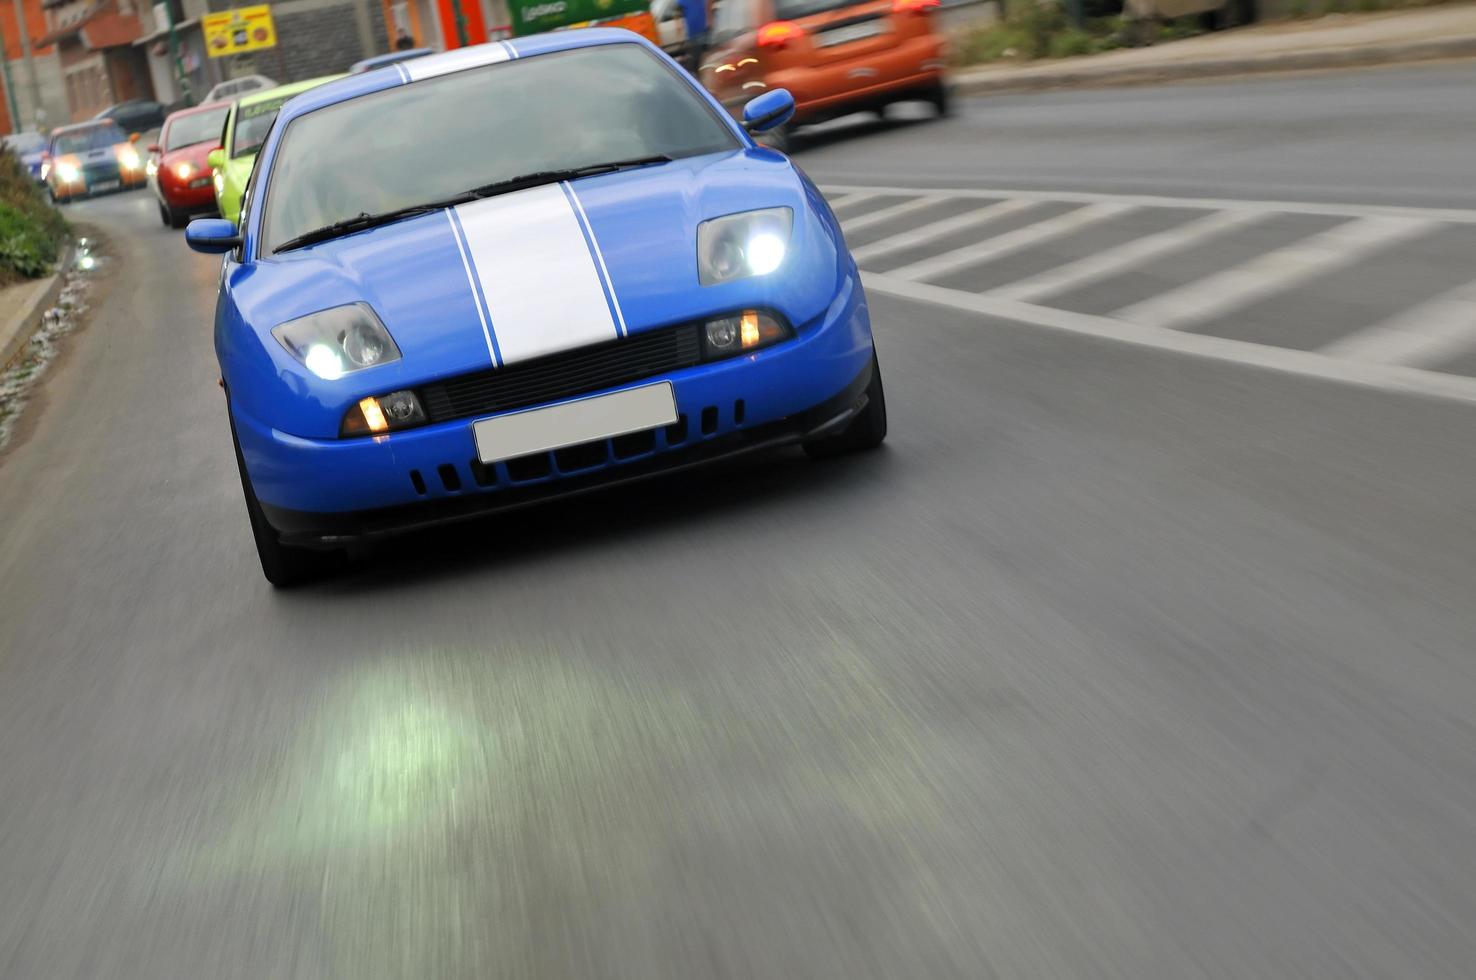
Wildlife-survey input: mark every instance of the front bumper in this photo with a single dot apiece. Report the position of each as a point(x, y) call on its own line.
point(325, 492)
point(184, 197)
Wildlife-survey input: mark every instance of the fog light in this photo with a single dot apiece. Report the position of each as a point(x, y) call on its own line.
point(371, 416)
point(742, 332)
point(722, 335)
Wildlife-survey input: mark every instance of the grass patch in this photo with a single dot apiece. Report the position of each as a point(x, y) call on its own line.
point(31, 230)
point(1031, 30)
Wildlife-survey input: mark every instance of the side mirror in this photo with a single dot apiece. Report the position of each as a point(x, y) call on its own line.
point(213, 236)
point(133, 137)
point(154, 148)
point(216, 159)
point(769, 110)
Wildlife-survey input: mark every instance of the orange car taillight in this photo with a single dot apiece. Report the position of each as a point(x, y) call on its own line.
point(780, 33)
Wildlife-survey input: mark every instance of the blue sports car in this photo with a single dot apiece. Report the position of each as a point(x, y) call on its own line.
point(594, 275)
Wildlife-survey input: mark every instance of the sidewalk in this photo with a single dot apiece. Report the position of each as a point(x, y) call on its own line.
point(21, 306)
point(1334, 41)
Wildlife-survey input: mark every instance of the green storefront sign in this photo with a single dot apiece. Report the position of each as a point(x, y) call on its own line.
point(536, 16)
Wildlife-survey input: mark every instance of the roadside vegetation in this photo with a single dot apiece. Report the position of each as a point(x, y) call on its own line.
point(31, 230)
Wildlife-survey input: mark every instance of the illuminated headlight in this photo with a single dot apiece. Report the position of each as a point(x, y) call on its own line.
point(151, 168)
point(741, 333)
point(332, 343)
point(183, 171)
point(740, 245)
point(45, 168)
point(383, 413)
point(66, 173)
point(129, 159)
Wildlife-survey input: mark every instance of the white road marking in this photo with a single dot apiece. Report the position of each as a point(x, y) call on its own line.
point(938, 229)
point(887, 214)
point(846, 200)
point(1451, 215)
point(1129, 255)
point(1387, 377)
point(1012, 241)
point(1434, 331)
point(1271, 273)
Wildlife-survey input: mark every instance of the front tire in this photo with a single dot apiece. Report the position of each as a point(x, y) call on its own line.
point(283, 565)
point(942, 99)
point(866, 430)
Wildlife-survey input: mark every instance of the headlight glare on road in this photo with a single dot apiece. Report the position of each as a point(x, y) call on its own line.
point(383, 413)
point(740, 245)
point(338, 341)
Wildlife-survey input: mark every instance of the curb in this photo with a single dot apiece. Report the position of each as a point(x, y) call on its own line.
point(1087, 76)
point(16, 331)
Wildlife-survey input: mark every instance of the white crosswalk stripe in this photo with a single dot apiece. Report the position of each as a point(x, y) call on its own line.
point(887, 214)
point(1421, 347)
point(1435, 331)
point(847, 200)
point(939, 229)
point(1271, 273)
point(992, 248)
point(1126, 256)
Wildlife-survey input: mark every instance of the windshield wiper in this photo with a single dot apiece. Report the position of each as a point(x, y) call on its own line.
point(510, 184)
point(364, 220)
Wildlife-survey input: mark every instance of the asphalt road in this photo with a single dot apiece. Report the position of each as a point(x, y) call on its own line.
point(1115, 662)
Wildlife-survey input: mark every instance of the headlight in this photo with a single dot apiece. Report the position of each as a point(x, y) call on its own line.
point(183, 171)
point(66, 173)
point(740, 245)
point(332, 343)
point(129, 159)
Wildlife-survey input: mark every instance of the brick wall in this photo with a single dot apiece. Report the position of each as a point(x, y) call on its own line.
point(314, 37)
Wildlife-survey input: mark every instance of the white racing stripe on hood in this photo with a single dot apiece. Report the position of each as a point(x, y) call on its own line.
point(542, 287)
point(458, 59)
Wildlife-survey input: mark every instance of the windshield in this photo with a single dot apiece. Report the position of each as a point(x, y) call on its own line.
point(253, 122)
point(197, 127)
point(91, 138)
point(24, 143)
point(434, 139)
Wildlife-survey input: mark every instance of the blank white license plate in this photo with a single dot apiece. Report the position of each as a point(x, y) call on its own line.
point(602, 417)
point(107, 185)
point(845, 35)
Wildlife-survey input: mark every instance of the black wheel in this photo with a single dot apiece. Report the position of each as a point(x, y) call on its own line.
point(178, 219)
point(942, 99)
point(283, 565)
point(164, 215)
point(867, 429)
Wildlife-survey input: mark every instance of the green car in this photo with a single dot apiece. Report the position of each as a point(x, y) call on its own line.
point(246, 128)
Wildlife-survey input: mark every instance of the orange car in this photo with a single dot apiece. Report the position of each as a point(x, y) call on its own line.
point(834, 56)
point(89, 158)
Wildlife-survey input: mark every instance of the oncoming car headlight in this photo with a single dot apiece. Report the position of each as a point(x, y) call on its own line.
point(736, 246)
point(338, 341)
point(67, 173)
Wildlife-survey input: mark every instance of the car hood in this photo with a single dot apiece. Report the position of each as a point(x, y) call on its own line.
point(195, 154)
point(526, 274)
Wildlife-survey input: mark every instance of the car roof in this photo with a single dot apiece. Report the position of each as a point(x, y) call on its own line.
point(202, 107)
point(352, 86)
point(89, 124)
point(394, 57)
point(266, 95)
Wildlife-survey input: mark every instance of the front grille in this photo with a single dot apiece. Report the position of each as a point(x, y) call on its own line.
point(565, 375)
point(100, 170)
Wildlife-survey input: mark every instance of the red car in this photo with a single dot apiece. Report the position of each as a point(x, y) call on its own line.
point(178, 171)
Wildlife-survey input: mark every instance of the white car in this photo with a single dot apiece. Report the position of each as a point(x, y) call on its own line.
point(231, 88)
